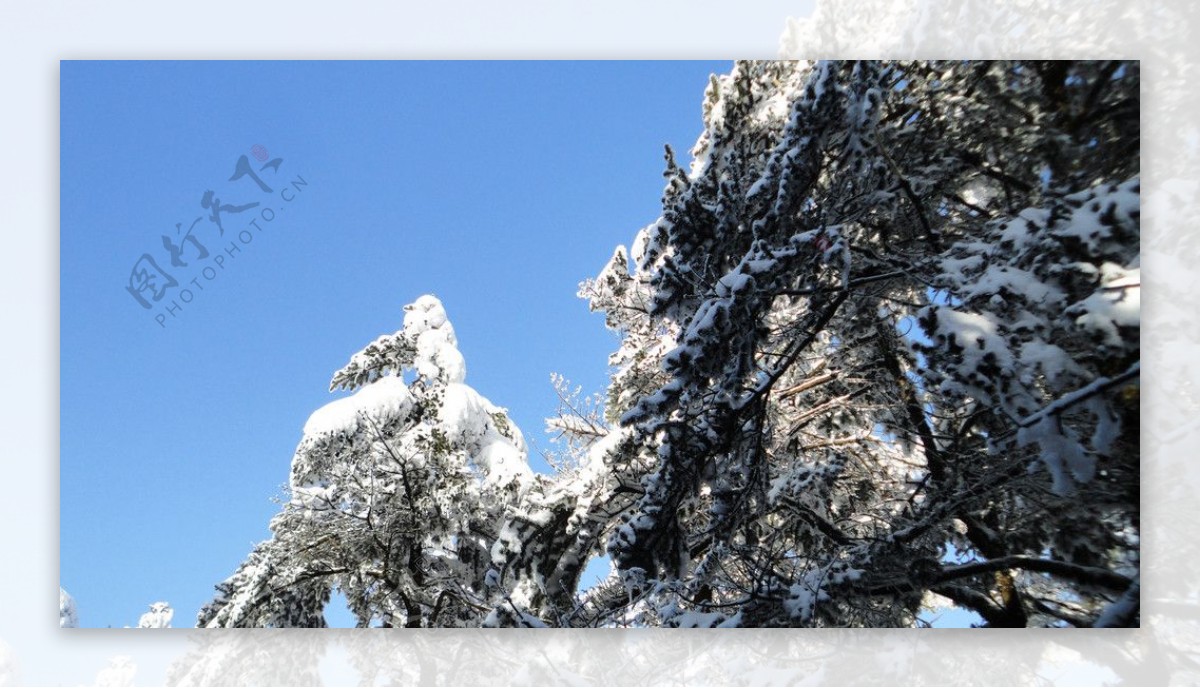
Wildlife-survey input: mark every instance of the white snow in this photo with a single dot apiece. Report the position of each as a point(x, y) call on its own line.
point(1117, 304)
point(698, 620)
point(1017, 231)
point(1120, 201)
point(1065, 458)
point(425, 313)
point(382, 401)
point(571, 425)
point(976, 334)
point(773, 108)
point(470, 420)
point(159, 616)
point(314, 497)
point(1108, 425)
point(68, 616)
point(1052, 360)
point(734, 283)
point(438, 357)
point(1013, 280)
point(437, 354)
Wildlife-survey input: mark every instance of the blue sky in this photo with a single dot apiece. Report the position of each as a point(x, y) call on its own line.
point(498, 186)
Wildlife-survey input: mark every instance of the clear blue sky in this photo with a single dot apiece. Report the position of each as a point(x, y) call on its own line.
point(497, 186)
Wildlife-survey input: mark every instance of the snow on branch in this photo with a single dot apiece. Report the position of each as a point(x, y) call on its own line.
point(1067, 401)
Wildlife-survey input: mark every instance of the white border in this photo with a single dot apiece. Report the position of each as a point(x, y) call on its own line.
point(35, 35)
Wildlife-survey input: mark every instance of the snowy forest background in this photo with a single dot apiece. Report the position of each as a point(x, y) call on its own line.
point(880, 354)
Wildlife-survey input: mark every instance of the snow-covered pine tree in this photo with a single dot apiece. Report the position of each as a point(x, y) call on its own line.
point(68, 616)
point(396, 495)
point(882, 349)
point(159, 616)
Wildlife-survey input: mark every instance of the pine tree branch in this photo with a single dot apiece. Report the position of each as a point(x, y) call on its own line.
point(1088, 575)
point(1065, 402)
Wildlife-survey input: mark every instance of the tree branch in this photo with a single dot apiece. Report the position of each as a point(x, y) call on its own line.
point(1089, 575)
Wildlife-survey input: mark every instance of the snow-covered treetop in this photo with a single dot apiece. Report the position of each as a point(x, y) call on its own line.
point(159, 616)
point(437, 355)
point(431, 463)
point(383, 404)
point(68, 617)
point(426, 344)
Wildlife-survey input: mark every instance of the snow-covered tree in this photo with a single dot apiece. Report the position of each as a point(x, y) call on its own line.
point(159, 616)
point(880, 353)
point(397, 494)
point(68, 616)
point(883, 344)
